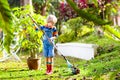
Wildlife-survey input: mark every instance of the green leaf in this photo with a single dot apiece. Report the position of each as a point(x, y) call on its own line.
point(112, 31)
point(6, 23)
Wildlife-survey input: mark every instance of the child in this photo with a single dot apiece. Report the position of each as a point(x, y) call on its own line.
point(50, 33)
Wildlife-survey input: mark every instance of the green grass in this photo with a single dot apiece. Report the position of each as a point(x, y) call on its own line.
point(12, 70)
point(107, 62)
point(105, 66)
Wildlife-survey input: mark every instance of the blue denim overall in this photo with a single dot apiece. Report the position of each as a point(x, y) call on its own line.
point(48, 48)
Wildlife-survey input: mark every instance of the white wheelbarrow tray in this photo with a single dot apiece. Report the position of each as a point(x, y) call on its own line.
point(78, 50)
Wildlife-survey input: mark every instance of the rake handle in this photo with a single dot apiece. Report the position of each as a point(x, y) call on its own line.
point(32, 19)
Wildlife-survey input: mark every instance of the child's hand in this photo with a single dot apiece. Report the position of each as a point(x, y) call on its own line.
point(52, 38)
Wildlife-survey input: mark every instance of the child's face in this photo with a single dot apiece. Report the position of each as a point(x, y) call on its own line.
point(50, 24)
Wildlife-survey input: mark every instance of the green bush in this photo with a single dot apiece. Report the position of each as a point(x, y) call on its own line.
point(75, 29)
point(66, 37)
point(30, 38)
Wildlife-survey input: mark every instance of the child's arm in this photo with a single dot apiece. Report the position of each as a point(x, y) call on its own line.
point(38, 28)
point(35, 27)
point(55, 34)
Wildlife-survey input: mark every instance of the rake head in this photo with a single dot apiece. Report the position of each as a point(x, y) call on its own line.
point(75, 70)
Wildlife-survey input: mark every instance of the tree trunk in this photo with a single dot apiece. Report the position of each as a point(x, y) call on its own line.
point(118, 20)
point(43, 10)
point(27, 2)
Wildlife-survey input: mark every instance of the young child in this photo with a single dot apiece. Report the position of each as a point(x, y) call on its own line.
point(50, 33)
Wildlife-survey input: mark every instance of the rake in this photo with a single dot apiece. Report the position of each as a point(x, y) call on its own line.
point(72, 67)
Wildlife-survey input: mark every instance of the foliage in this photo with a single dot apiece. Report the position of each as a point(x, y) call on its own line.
point(66, 37)
point(69, 35)
point(31, 40)
point(82, 4)
point(113, 31)
point(96, 20)
point(66, 12)
point(76, 29)
point(41, 6)
point(105, 46)
point(99, 8)
point(6, 24)
point(38, 4)
point(75, 25)
point(88, 16)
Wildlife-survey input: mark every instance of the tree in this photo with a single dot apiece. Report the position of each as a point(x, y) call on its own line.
point(41, 6)
point(27, 2)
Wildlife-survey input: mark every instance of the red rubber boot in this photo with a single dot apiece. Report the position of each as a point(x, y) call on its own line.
point(49, 70)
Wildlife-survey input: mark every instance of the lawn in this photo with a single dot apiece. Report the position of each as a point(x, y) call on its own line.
point(105, 66)
point(19, 71)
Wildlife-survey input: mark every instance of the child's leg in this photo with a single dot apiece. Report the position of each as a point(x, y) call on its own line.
point(49, 65)
point(49, 59)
